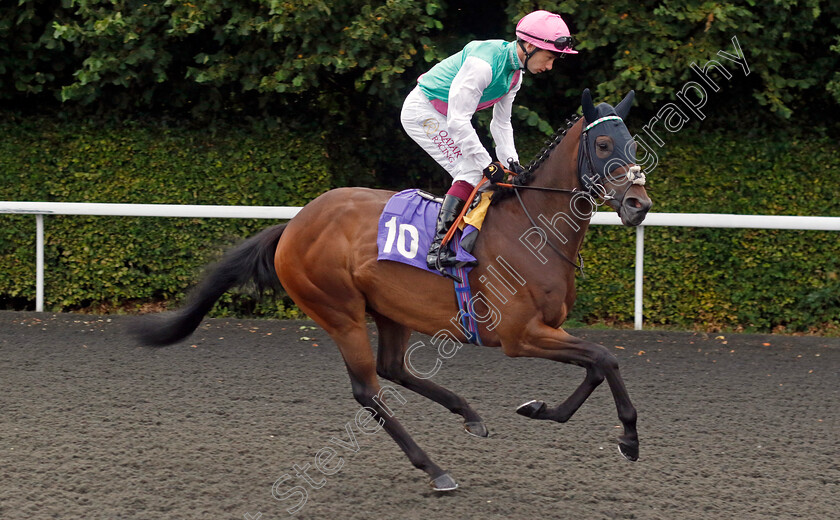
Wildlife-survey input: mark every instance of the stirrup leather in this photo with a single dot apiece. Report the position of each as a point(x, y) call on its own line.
point(440, 257)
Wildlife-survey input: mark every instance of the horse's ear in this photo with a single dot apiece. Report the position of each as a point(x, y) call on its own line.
point(623, 108)
point(588, 107)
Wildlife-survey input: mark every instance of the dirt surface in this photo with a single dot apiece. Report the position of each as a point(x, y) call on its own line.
point(93, 426)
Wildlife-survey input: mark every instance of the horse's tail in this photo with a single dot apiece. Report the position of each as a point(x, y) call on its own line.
point(251, 261)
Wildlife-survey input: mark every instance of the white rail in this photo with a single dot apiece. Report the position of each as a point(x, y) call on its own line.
point(709, 220)
point(148, 210)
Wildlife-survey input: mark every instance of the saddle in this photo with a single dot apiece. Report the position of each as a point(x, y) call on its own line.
point(407, 227)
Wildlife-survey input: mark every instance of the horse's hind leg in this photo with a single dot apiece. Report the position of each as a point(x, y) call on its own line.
point(331, 299)
point(390, 364)
point(355, 348)
point(546, 342)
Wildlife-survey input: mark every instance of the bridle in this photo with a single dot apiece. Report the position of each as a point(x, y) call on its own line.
point(634, 173)
point(634, 176)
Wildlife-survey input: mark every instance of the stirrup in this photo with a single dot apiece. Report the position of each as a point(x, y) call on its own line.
point(445, 272)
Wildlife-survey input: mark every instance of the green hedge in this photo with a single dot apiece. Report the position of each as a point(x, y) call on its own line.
point(345, 58)
point(108, 262)
point(705, 278)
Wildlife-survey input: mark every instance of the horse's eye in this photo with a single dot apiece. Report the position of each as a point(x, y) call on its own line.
point(603, 147)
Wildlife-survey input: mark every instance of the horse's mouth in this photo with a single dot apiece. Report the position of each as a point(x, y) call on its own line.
point(631, 210)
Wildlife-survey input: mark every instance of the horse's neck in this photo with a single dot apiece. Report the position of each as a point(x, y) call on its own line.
point(559, 170)
point(563, 214)
point(510, 233)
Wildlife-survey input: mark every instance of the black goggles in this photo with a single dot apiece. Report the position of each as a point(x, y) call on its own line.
point(561, 44)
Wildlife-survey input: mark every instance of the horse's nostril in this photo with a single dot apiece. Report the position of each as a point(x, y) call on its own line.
point(635, 203)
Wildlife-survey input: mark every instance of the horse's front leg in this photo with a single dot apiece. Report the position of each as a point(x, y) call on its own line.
point(542, 341)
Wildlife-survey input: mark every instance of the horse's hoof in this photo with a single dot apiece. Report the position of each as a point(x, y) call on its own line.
point(531, 409)
point(444, 482)
point(476, 428)
point(630, 453)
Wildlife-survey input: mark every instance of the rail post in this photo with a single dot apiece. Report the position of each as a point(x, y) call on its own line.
point(640, 274)
point(39, 263)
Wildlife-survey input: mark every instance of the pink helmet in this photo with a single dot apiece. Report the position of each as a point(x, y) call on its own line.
point(545, 30)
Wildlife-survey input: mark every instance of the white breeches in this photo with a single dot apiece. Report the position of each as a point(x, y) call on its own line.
point(427, 127)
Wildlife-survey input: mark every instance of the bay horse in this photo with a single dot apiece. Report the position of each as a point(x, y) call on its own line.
point(325, 258)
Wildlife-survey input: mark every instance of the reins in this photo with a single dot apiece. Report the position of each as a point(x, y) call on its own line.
point(542, 188)
point(517, 187)
point(555, 248)
point(585, 158)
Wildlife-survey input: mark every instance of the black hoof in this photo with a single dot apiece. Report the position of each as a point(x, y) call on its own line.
point(532, 409)
point(476, 428)
point(630, 453)
point(444, 482)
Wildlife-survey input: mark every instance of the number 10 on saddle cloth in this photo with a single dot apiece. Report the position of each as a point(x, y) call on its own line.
point(407, 225)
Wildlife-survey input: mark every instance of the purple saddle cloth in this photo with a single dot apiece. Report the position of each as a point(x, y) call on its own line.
point(407, 228)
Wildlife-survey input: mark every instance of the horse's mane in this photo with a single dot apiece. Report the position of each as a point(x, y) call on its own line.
point(524, 178)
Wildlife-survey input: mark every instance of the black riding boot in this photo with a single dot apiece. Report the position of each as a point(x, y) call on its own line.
point(449, 211)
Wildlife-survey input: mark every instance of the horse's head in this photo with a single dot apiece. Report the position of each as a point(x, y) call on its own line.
point(607, 160)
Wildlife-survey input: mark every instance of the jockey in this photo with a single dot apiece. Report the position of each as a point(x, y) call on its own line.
point(437, 114)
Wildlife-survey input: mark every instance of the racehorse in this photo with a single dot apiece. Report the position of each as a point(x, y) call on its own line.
point(325, 258)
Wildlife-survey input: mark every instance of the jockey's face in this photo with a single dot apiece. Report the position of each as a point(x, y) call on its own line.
point(541, 61)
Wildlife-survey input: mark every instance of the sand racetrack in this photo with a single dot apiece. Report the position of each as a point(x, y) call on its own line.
point(93, 426)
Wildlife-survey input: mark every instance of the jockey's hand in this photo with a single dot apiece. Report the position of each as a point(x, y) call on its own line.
point(515, 167)
point(496, 172)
